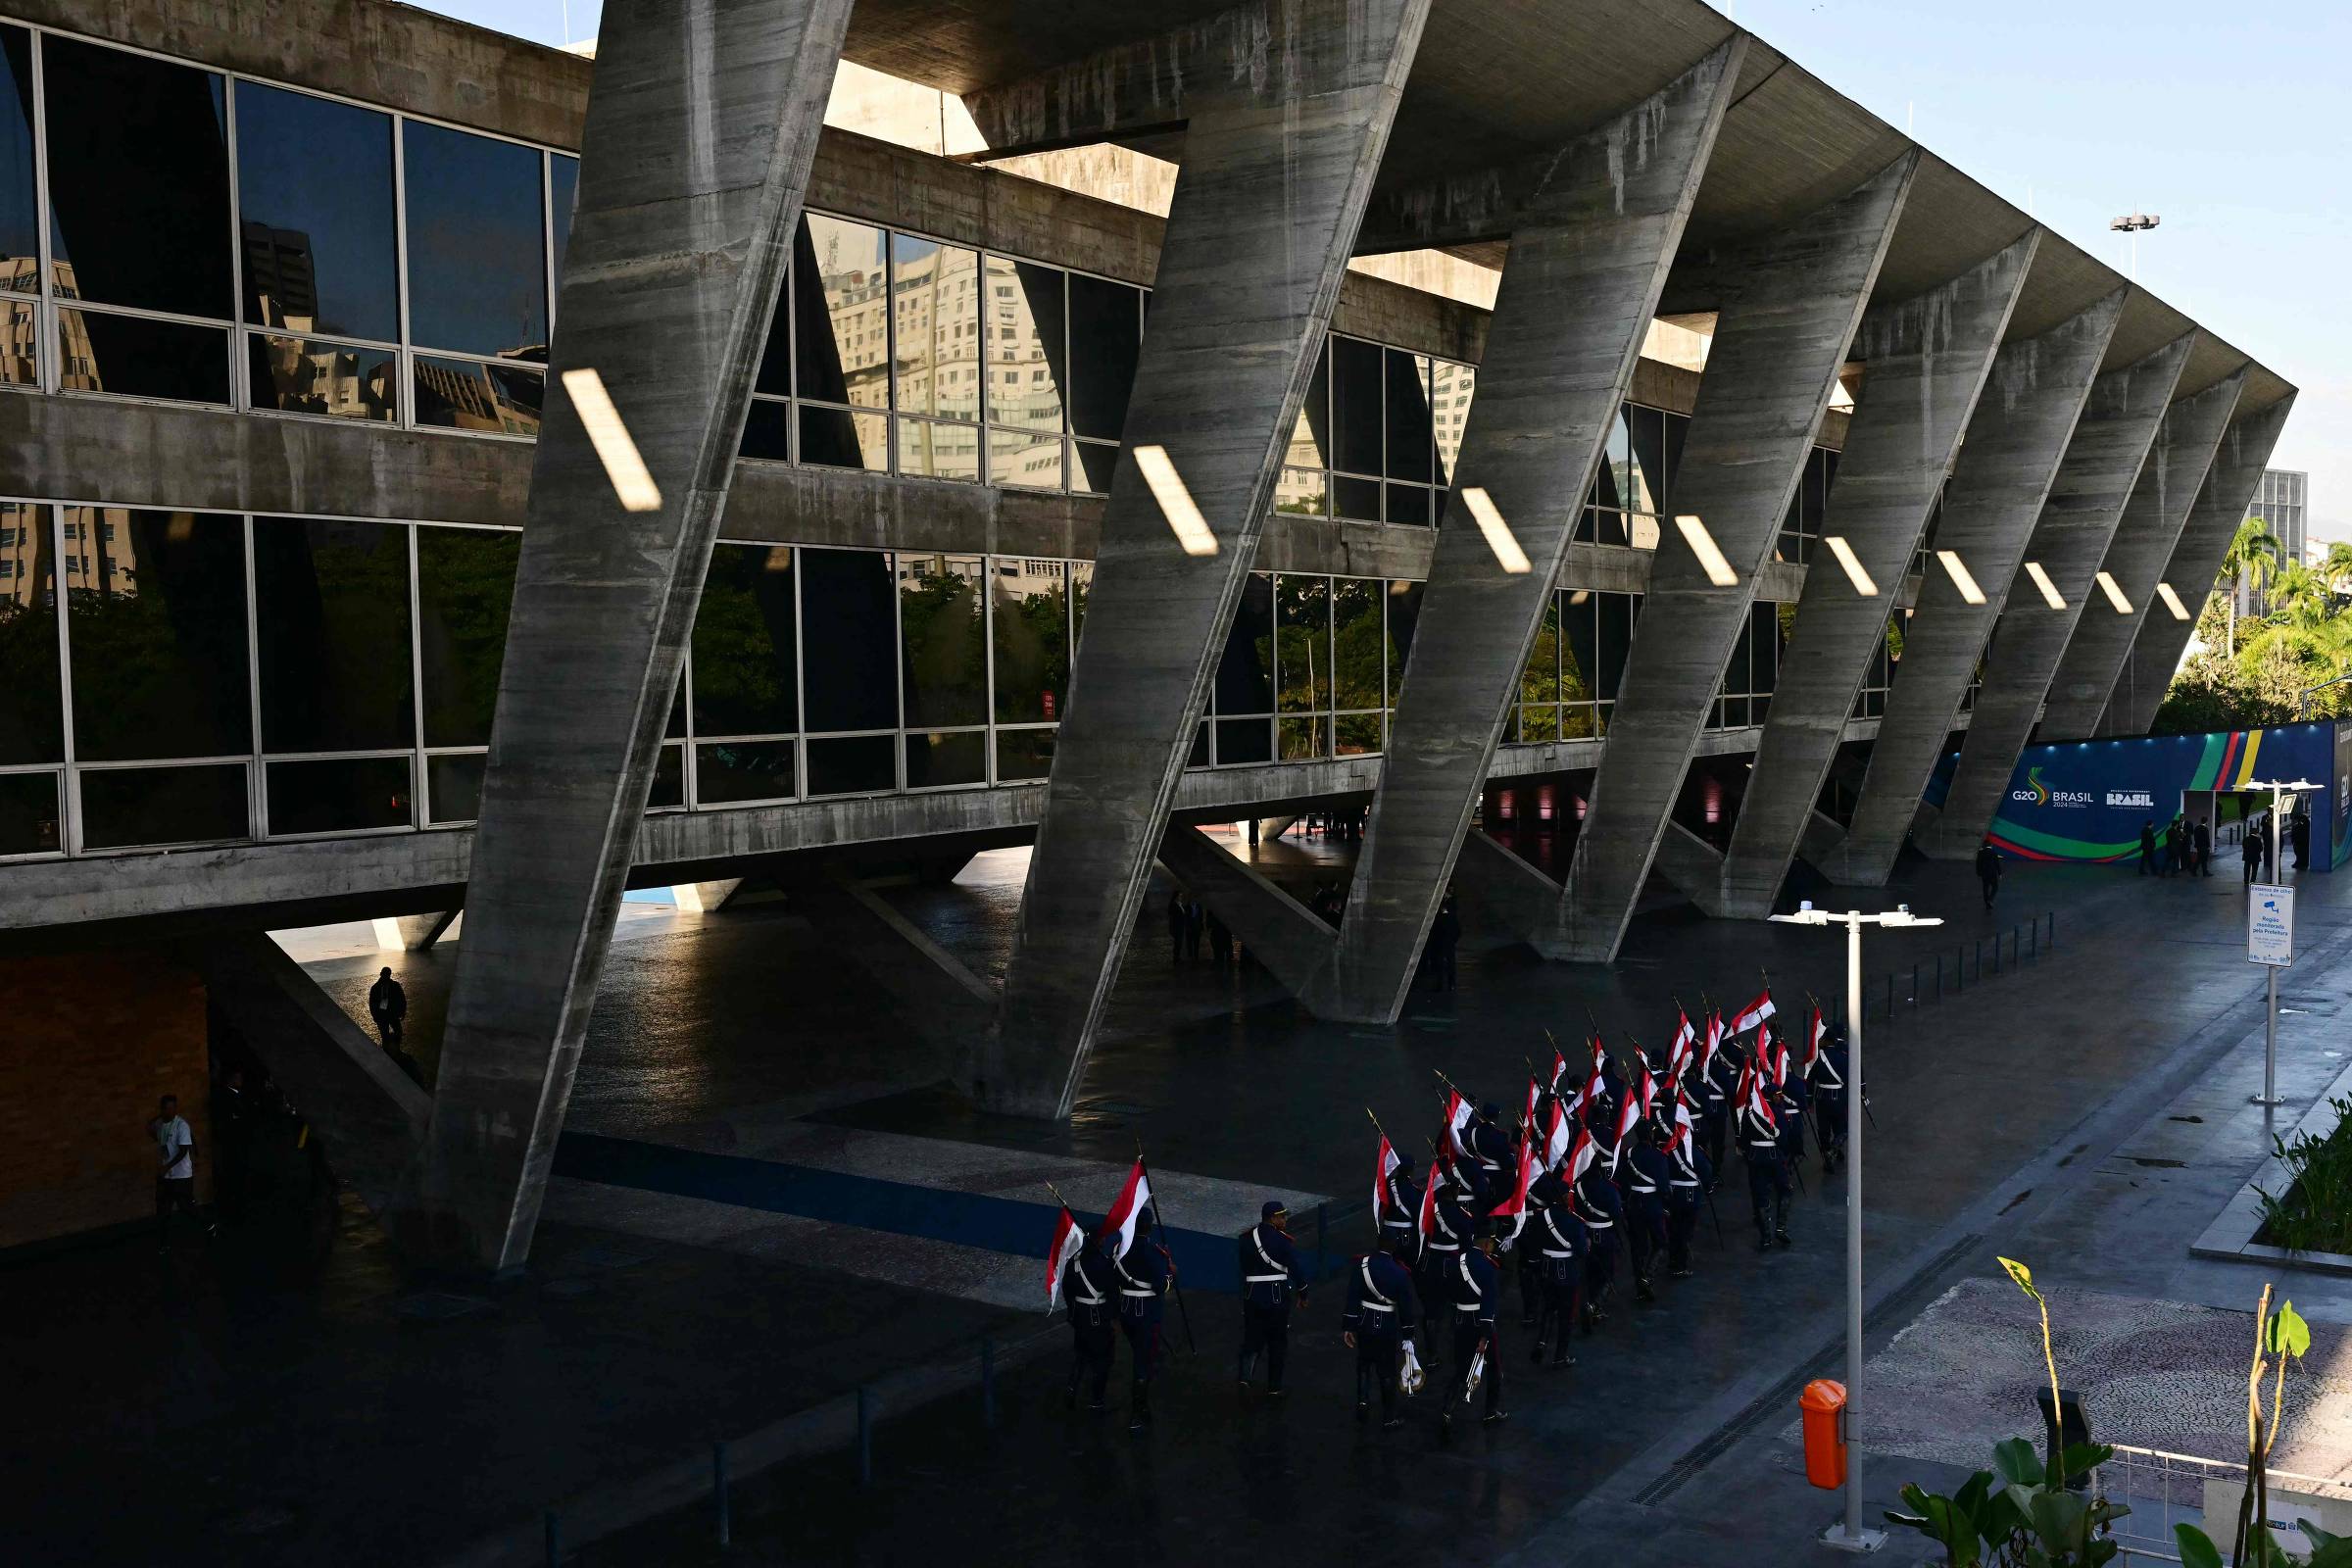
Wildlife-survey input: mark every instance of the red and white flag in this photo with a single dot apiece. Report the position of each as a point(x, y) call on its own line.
point(1627, 1112)
point(1118, 1226)
point(1458, 1117)
point(1777, 1054)
point(1559, 1065)
point(1685, 1037)
point(1067, 1238)
point(1650, 1090)
point(1514, 1206)
point(1558, 1137)
point(1600, 1055)
point(1711, 1044)
point(1814, 1030)
point(1752, 1097)
point(1682, 1128)
point(1753, 1015)
point(1383, 1164)
point(1427, 1222)
point(1581, 1158)
point(1535, 1096)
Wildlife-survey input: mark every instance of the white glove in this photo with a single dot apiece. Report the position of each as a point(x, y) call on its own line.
point(1413, 1377)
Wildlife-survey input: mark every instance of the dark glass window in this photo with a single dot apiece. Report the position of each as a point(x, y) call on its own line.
point(340, 795)
point(1678, 430)
point(937, 760)
point(1030, 627)
point(731, 772)
point(1023, 754)
point(1617, 613)
point(1302, 652)
point(31, 708)
point(137, 357)
point(29, 814)
point(668, 791)
point(465, 589)
point(849, 646)
point(1246, 670)
point(315, 206)
point(303, 375)
point(935, 304)
point(477, 248)
point(156, 604)
point(841, 315)
point(1356, 499)
point(768, 431)
point(1095, 465)
point(1408, 426)
point(122, 807)
point(840, 439)
point(20, 197)
point(1580, 646)
point(1355, 415)
point(861, 764)
point(563, 190)
point(457, 786)
point(1645, 487)
point(746, 670)
point(331, 630)
point(467, 395)
point(1408, 504)
point(1104, 342)
point(945, 652)
point(138, 180)
point(1355, 655)
point(1244, 740)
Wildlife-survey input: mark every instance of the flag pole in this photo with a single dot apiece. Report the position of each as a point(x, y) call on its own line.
point(1159, 1223)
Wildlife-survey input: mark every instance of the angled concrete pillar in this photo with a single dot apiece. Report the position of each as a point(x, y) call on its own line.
point(1925, 360)
point(706, 897)
point(2016, 437)
point(1793, 304)
point(1277, 166)
point(412, 933)
point(2168, 484)
point(2196, 559)
point(703, 117)
point(1280, 932)
point(1589, 256)
point(2070, 540)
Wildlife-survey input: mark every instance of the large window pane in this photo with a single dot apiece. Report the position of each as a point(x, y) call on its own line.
point(302, 375)
point(939, 448)
point(746, 670)
point(20, 339)
point(32, 708)
point(314, 204)
point(341, 795)
point(138, 180)
point(849, 647)
point(1246, 670)
point(1356, 653)
point(1026, 461)
point(477, 249)
point(1030, 633)
point(1104, 340)
point(1028, 350)
point(1356, 416)
point(456, 787)
point(1244, 740)
point(935, 302)
point(468, 395)
point(331, 625)
point(839, 439)
point(136, 357)
point(1539, 681)
point(20, 200)
point(1616, 641)
point(465, 589)
point(731, 772)
point(937, 760)
point(1580, 646)
point(1024, 754)
point(861, 764)
point(562, 189)
point(841, 312)
point(1302, 612)
point(1408, 426)
point(155, 615)
point(1647, 489)
point(30, 820)
point(945, 652)
point(122, 807)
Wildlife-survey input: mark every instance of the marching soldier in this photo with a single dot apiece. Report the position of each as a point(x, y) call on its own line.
point(1716, 1087)
point(1475, 1288)
point(1790, 1102)
point(1828, 1079)
point(1088, 1285)
point(1270, 1281)
point(1144, 1272)
point(1400, 1202)
point(1441, 1249)
point(1598, 1208)
point(1377, 1326)
point(1767, 1170)
point(1692, 1177)
point(1491, 1148)
point(1556, 1240)
point(1648, 1175)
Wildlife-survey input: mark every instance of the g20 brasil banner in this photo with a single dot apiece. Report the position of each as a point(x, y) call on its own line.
point(2086, 800)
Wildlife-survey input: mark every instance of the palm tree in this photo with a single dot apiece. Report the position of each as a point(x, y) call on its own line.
point(2335, 567)
point(2301, 596)
point(2253, 556)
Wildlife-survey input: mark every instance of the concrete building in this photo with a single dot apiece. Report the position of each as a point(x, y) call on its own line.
point(983, 512)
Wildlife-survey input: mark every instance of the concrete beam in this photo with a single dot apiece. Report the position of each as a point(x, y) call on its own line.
point(2186, 442)
point(1276, 171)
point(1579, 288)
point(412, 933)
point(2102, 465)
point(2015, 439)
point(1280, 932)
point(1925, 363)
point(702, 122)
point(706, 897)
point(1502, 892)
point(1796, 303)
point(348, 1086)
point(2196, 559)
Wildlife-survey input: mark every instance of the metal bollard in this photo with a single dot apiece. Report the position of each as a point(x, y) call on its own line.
point(718, 1493)
point(865, 1436)
point(555, 1540)
point(988, 1381)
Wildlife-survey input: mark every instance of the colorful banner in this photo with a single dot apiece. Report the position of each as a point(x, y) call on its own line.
point(2086, 801)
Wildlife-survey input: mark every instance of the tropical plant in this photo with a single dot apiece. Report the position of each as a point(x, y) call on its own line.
point(2013, 1516)
point(2283, 1334)
point(2335, 567)
point(2314, 1212)
point(2253, 556)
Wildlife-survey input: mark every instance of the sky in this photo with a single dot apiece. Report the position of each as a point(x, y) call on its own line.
point(2214, 117)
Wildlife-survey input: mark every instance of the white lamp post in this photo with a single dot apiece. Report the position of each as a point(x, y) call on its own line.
point(1850, 1535)
point(2280, 794)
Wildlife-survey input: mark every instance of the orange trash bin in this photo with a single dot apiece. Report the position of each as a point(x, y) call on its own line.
point(1824, 1405)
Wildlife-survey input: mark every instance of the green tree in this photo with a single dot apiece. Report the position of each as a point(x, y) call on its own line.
point(2253, 556)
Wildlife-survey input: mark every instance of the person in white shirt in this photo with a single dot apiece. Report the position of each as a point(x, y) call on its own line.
point(175, 1166)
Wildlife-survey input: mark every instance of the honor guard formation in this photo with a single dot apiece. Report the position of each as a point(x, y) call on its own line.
point(1619, 1155)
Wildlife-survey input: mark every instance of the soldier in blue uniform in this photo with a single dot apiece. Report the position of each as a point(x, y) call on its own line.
point(1715, 1103)
point(1554, 1240)
point(1400, 1208)
point(1144, 1274)
point(1475, 1290)
point(1790, 1103)
point(1692, 1177)
point(1767, 1176)
point(1647, 1174)
point(1377, 1326)
point(1600, 1208)
point(1441, 1249)
point(1491, 1149)
point(1089, 1290)
point(1270, 1282)
point(1828, 1082)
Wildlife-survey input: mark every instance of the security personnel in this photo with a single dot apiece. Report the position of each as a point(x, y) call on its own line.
point(1441, 1249)
point(1399, 1206)
point(1598, 1208)
point(1091, 1291)
point(1767, 1176)
point(1270, 1281)
point(1144, 1272)
point(1827, 1080)
point(1691, 1176)
point(1556, 1240)
point(1475, 1288)
point(1377, 1326)
point(1648, 1175)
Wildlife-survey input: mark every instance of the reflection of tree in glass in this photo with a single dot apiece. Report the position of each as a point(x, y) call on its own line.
point(745, 682)
point(1032, 657)
point(159, 651)
point(466, 585)
point(940, 627)
point(1359, 652)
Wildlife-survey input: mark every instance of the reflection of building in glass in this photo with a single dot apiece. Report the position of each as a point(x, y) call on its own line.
point(94, 558)
point(463, 394)
point(856, 298)
point(279, 277)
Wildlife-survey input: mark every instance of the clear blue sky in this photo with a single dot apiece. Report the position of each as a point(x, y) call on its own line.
point(2213, 115)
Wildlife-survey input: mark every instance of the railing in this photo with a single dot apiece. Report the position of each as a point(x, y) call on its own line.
point(2162, 1489)
point(1931, 978)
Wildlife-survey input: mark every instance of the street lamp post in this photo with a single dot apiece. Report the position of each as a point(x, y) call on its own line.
point(2280, 794)
point(1850, 1535)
